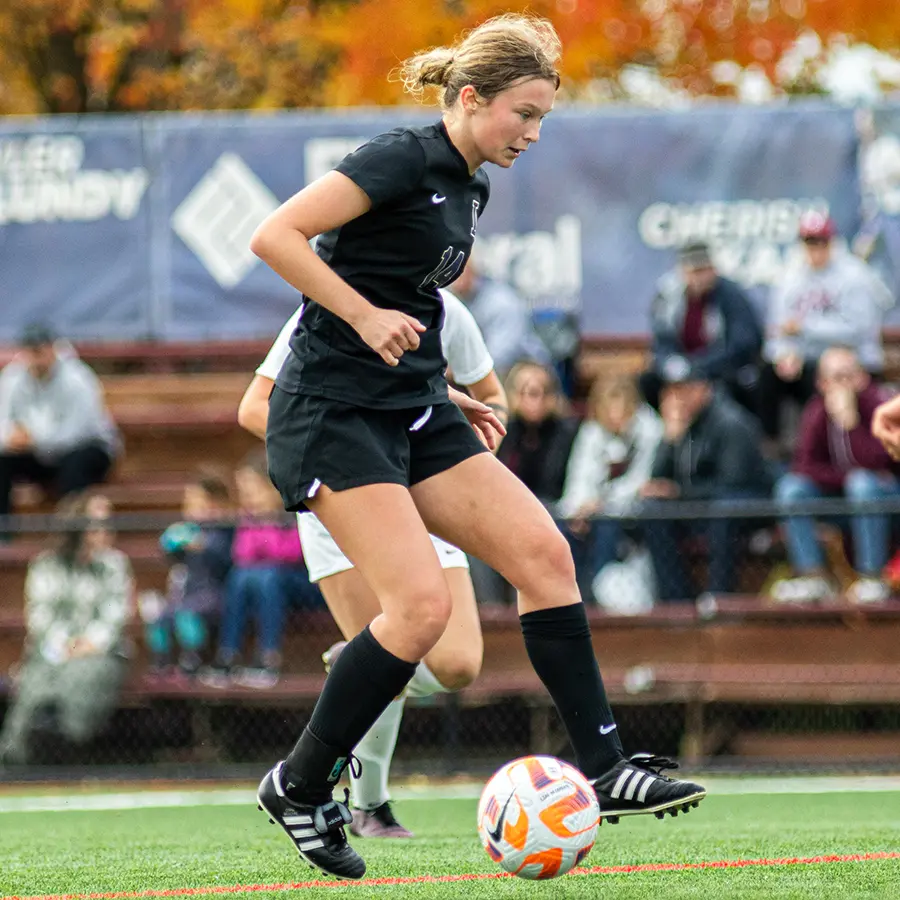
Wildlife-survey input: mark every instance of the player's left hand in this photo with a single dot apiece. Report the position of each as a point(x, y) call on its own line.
point(482, 418)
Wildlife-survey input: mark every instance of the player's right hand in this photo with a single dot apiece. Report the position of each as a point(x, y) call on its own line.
point(390, 333)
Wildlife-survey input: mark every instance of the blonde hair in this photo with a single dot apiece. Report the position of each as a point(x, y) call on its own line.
point(491, 58)
point(604, 390)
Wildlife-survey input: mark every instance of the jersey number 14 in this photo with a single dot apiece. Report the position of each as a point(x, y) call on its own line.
point(452, 261)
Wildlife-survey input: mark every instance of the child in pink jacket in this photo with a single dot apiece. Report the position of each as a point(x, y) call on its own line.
point(267, 569)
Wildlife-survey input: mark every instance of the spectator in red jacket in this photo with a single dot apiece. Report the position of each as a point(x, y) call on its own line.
point(837, 455)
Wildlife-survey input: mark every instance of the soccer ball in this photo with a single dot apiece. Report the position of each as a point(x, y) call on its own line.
point(538, 817)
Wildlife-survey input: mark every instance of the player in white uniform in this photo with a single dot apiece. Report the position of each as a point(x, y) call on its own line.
point(456, 659)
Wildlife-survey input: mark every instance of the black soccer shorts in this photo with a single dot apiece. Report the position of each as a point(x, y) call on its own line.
point(313, 441)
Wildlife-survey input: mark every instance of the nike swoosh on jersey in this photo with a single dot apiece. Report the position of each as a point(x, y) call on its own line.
point(498, 830)
point(606, 729)
point(437, 198)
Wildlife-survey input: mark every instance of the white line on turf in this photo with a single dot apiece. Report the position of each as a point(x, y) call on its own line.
point(150, 799)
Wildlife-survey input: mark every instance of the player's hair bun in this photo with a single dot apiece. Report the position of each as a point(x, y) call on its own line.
point(432, 67)
point(491, 57)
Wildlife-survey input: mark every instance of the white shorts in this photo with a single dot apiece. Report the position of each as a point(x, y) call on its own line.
point(323, 557)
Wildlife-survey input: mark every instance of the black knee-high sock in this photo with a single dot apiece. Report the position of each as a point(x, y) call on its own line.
point(362, 682)
point(559, 646)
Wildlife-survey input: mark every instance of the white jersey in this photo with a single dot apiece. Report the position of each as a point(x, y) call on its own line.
point(464, 347)
point(469, 361)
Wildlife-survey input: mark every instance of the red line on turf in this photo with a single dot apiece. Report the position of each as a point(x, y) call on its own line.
point(472, 876)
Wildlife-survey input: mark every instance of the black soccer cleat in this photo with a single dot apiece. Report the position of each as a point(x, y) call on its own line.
point(636, 786)
point(317, 832)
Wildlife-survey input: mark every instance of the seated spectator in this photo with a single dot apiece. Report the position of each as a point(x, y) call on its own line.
point(837, 455)
point(77, 602)
point(54, 427)
point(611, 461)
point(830, 297)
point(201, 551)
point(706, 323)
point(710, 452)
point(538, 438)
point(267, 565)
point(503, 317)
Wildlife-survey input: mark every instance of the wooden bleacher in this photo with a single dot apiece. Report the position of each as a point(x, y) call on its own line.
point(746, 657)
point(170, 422)
point(176, 406)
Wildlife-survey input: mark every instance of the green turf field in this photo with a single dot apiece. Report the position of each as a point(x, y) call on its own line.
point(174, 850)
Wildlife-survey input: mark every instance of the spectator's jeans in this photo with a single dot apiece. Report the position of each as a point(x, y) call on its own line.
point(663, 538)
point(83, 690)
point(264, 588)
point(593, 550)
point(74, 471)
point(871, 533)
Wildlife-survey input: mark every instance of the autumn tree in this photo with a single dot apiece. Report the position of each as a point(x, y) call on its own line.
point(97, 55)
point(682, 40)
point(113, 55)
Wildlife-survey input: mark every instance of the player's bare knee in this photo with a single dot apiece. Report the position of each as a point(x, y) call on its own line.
point(433, 613)
point(459, 671)
point(558, 557)
point(424, 613)
point(546, 562)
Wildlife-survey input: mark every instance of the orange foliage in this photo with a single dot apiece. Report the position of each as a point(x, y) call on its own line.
point(82, 55)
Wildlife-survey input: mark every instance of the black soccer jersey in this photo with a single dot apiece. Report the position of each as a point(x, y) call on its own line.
point(415, 239)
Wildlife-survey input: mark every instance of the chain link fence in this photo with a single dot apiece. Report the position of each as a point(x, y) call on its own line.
point(728, 676)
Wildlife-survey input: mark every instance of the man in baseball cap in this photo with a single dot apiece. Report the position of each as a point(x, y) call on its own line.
point(703, 321)
point(710, 451)
point(832, 297)
point(817, 232)
point(816, 228)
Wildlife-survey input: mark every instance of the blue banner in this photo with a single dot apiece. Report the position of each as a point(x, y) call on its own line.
point(75, 226)
point(221, 175)
point(138, 227)
point(599, 208)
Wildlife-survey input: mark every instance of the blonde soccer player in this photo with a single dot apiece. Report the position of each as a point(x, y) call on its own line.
point(362, 431)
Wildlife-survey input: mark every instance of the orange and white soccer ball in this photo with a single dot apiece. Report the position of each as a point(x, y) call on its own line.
point(538, 817)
